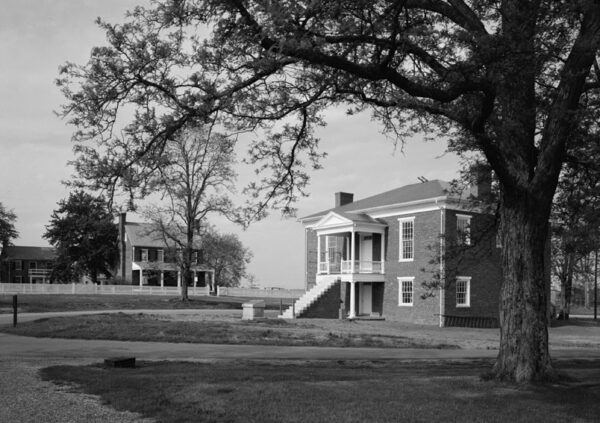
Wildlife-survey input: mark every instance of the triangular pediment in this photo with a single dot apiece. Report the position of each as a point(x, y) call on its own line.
point(332, 219)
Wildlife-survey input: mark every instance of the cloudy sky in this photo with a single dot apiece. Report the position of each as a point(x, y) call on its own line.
point(37, 36)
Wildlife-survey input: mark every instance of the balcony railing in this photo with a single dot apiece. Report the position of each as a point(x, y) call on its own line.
point(348, 266)
point(39, 273)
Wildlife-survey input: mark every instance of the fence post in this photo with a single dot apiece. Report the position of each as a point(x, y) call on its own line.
point(294, 310)
point(14, 311)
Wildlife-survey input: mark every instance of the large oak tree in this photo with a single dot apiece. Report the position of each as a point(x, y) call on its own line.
point(507, 79)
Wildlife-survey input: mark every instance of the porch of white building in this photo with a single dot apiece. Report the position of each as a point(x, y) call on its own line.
point(168, 274)
point(351, 249)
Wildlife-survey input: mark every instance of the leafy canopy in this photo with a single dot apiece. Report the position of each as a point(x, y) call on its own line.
point(85, 237)
point(8, 232)
point(226, 255)
point(270, 68)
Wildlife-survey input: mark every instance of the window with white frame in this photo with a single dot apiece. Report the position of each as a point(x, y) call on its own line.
point(405, 291)
point(160, 256)
point(463, 291)
point(463, 229)
point(407, 239)
point(144, 254)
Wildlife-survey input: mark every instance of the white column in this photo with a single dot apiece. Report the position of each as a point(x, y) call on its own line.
point(327, 252)
point(194, 278)
point(162, 279)
point(179, 279)
point(141, 277)
point(318, 254)
point(352, 252)
point(352, 313)
point(383, 253)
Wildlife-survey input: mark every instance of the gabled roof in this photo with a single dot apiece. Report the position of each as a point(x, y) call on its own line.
point(15, 252)
point(143, 235)
point(405, 194)
point(147, 235)
point(357, 217)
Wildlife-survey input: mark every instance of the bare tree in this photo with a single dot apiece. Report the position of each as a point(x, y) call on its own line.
point(195, 177)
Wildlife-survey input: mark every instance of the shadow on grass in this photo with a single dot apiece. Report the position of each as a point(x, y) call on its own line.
point(325, 391)
point(577, 322)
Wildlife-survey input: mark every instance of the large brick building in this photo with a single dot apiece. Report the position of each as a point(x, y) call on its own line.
point(417, 253)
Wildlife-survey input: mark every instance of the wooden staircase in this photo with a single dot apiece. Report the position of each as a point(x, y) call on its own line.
point(309, 297)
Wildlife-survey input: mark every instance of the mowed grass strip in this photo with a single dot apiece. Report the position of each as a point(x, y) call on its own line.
point(32, 303)
point(145, 327)
point(348, 391)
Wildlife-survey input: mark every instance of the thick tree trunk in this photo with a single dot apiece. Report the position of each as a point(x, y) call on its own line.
point(524, 356)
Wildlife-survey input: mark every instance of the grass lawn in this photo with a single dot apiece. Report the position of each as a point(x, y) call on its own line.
point(226, 327)
point(217, 330)
point(46, 303)
point(344, 391)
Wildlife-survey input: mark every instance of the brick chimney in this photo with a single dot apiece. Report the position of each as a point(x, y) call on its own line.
point(483, 183)
point(343, 198)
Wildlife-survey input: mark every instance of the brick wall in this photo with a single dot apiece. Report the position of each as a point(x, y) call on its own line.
point(426, 249)
point(480, 261)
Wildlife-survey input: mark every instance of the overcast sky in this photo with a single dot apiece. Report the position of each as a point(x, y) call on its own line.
point(37, 36)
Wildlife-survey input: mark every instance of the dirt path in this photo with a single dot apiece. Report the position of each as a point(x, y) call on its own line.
point(25, 398)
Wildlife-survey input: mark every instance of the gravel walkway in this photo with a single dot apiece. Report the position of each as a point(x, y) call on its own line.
point(25, 398)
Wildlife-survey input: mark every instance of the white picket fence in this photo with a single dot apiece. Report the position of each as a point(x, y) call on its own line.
point(91, 289)
point(223, 291)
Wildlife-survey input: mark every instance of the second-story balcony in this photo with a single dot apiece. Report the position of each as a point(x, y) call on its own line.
point(349, 266)
point(350, 247)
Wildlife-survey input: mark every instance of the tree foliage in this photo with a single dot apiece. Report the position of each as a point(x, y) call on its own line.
point(8, 232)
point(195, 178)
point(575, 217)
point(510, 80)
point(227, 256)
point(85, 237)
